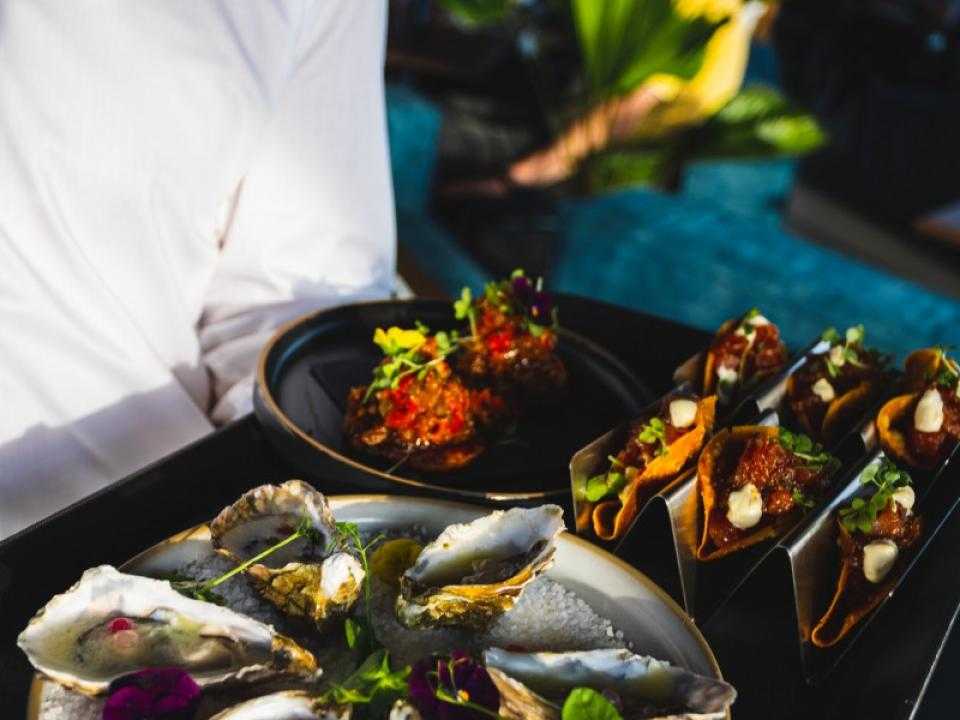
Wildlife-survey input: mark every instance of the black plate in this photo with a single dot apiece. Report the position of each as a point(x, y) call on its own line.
point(307, 369)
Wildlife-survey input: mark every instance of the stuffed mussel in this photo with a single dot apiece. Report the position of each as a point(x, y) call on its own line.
point(512, 346)
point(744, 351)
point(754, 483)
point(834, 388)
point(659, 449)
point(921, 428)
point(417, 410)
point(876, 535)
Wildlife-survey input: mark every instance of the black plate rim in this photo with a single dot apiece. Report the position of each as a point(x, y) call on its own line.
point(269, 412)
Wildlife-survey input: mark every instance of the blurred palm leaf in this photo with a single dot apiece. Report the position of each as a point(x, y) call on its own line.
point(623, 42)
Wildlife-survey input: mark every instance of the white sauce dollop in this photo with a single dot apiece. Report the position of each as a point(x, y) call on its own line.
point(836, 356)
point(682, 412)
point(758, 320)
point(878, 558)
point(904, 497)
point(745, 507)
point(727, 375)
point(928, 417)
point(823, 390)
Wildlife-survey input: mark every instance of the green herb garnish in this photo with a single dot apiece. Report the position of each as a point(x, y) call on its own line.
point(803, 447)
point(600, 486)
point(359, 633)
point(654, 431)
point(851, 345)
point(587, 704)
point(800, 499)
point(373, 685)
point(403, 350)
point(463, 309)
point(886, 478)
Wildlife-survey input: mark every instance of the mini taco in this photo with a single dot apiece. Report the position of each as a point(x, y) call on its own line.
point(743, 352)
point(875, 535)
point(921, 428)
point(833, 389)
point(659, 449)
point(754, 483)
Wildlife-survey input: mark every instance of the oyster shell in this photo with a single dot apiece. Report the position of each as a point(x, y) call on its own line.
point(536, 681)
point(110, 624)
point(265, 515)
point(403, 710)
point(287, 705)
point(311, 591)
point(474, 572)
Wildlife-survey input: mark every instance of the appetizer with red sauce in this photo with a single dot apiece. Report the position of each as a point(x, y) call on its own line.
point(833, 388)
point(659, 449)
point(754, 483)
point(512, 346)
point(921, 429)
point(416, 409)
point(743, 352)
point(876, 535)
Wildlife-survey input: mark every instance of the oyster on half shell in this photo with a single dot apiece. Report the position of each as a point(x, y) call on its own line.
point(534, 685)
point(110, 624)
point(311, 591)
point(474, 572)
point(300, 579)
point(267, 514)
point(287, 705)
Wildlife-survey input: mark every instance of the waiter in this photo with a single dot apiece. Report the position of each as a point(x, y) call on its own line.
point(177, 178)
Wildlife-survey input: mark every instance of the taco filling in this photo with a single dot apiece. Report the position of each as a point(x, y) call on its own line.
point(833, 389)
point(874, 535)
point(743, 352)
point(922, 429)
point(658, 450)
point(754, 482)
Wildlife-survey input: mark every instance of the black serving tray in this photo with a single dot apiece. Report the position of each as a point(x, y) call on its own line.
point(890, 673)
point(308, 368)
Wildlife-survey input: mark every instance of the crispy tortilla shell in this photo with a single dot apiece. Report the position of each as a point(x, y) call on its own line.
point(921, 366)
point(841, 413)
point(612, 517)
point(892, 439)
point(710, 361)
point(706, 481)
point(839, 618)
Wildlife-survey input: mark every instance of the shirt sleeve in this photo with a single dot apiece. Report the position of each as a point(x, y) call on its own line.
point(312, 223)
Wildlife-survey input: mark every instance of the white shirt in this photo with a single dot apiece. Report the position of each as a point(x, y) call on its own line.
point(177, 177)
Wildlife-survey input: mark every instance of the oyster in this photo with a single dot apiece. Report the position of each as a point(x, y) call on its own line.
point(265, 515)
point(311, 591)
point(476, 571)
point(110, 624)
point(287, 705)
point(530, 684)
point(292, 578)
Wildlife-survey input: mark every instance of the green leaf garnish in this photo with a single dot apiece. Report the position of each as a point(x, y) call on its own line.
point(885, 477)
point(402, 348)
point(600, 486)
point(372, 685)
point(851, 344)
point(655, 431)
point(588, 704)
point(803, 447)
point(800, 499)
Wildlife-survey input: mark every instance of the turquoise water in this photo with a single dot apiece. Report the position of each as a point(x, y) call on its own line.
point(703, 255)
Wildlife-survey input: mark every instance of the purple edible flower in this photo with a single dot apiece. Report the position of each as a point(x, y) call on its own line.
point(537, 303)
point(153, 694)
point(458, 676)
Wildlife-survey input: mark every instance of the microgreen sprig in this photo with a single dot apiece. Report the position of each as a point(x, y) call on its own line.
point(747, 327)
point(806, 449)
point(359, 634)
point(403, 350)
point(949, 373)
point(372, 685)
point(655, 431)
point(204, 590)
point(862, 513)
point(844, 349)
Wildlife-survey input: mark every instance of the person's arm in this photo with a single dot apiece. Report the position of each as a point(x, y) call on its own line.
point(312, 222)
